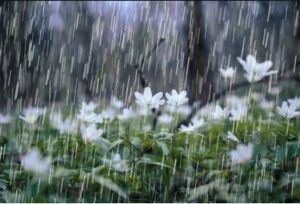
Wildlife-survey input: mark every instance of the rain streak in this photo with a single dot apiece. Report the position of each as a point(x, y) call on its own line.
point(149, 101)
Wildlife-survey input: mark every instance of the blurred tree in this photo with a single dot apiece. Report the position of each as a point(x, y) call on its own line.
point(70, 51)
point(198, 75)
point(268, 30)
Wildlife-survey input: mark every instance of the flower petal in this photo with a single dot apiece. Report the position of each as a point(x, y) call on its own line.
point(147, 92)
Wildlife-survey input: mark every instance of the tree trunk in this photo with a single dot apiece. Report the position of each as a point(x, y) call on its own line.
point(198, 76)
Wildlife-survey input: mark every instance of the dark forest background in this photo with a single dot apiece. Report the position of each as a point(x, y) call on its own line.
point(66, 52)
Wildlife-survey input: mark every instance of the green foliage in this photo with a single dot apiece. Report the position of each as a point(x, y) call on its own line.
point(163, 166)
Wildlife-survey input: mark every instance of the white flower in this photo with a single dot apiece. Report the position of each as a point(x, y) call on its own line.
point(31, 114)
point(5, 119)
point(147, 100)
point(294, 102)
point(220, 113)
point(89, 117)
point(98, 118)
point(256, 71)
point(165, 119)
point(108, 114)
point(242, 154)
point(239, 113)
point(287, 111)
point(87, 113)
point(146, 128)
point(232, 137)
point(116, 103)
point(195, 124)
point(227, 73)
point(87, 108)
point(32, 161)
point(189, 128)
point(90, 133)
point(118, 164)
point(266, 104)
point(67, 126)
point(127, 114)
point(176, 99)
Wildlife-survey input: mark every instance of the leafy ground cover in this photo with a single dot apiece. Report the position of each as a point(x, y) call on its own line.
point(238, 149)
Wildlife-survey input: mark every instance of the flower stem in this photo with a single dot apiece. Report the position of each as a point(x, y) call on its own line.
point(144, 122)
point(176, 117)
point(287, 127)
point(250, 92)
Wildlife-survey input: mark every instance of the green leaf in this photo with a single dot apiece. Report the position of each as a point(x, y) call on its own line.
point(110, 185)
point(115, 143)
point(164, 147)
point(163, 136)
point(136, 142)
point(16, 197)
point(287, 152)
point(3, 184)
point(199, 191)
point(104, 143)
point(63, 172)
point(148, 161)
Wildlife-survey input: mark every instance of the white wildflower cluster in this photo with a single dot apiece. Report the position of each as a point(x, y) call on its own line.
point(193, 126)
point(290, 108)
point(234, 113)
point(127, 113)
point(116, 103)
point(228, 73)
point(176, 103)
point(215, 112)
point(220, 113)
point(233, 101)
point(31, 114)
point(295, 102)
point(87, 113)
point(176, 99)
point(147, 100)
point(89, 117)
point(91, 123)
point(256, 71)
point(242, 154)
point(32, 161)
point(238, 113)
point(90, 132)
point(67, 126)
point(119, 164)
